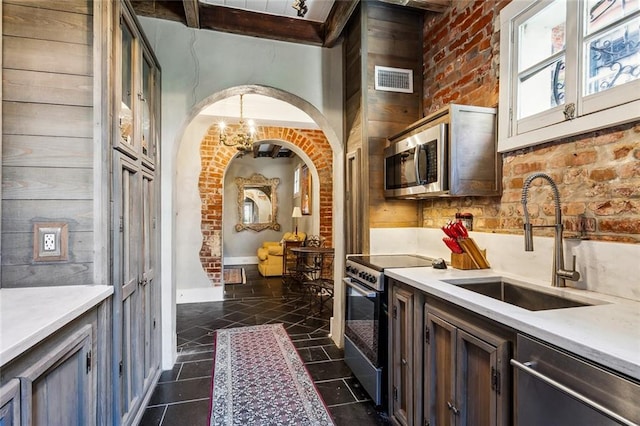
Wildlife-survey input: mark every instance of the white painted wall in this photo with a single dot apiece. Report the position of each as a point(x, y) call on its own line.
point(245, 243)
point(198, 68)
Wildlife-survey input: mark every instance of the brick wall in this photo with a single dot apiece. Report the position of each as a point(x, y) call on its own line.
point(598, 173)
point(214, 160)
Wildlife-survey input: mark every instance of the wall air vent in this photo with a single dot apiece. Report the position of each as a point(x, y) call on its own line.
point(393, 79)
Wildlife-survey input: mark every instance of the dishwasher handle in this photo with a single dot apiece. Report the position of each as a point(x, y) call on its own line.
point(527, 368)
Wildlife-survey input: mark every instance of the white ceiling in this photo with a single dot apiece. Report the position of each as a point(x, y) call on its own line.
point(262, 109)
point(318, 10)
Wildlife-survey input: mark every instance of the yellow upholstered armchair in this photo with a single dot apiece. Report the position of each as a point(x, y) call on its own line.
point(270, 259)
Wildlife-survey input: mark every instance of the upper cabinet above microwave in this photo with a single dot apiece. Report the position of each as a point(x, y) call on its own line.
point(451, 152)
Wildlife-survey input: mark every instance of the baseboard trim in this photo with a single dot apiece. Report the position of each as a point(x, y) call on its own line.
point(241, 260)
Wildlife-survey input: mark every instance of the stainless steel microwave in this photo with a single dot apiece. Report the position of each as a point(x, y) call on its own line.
point(417, 166)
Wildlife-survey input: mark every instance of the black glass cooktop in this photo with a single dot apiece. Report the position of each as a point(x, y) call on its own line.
point(384, 261)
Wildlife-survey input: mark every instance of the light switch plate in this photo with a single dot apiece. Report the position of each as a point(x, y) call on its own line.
point(50, 241)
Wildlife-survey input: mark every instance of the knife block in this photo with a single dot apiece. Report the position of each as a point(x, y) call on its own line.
point(464, 261)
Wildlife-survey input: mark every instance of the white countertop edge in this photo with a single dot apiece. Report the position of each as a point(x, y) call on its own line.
point(85, 298)
point(618, 349)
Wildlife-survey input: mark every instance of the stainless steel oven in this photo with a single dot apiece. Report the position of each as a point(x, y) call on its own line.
point(366, 336)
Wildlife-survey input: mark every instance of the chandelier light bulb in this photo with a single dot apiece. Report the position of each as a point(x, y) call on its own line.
point(243, 137)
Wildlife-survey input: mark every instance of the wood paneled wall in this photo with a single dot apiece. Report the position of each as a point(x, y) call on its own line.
point(388, 36)
point(47, 146)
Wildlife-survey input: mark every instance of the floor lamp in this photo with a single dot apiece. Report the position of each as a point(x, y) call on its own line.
point(296, 214)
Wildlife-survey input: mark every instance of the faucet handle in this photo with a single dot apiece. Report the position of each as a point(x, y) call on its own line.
point(572, 274)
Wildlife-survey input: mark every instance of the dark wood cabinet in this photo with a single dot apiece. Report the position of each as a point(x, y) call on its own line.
point(405, 356)
point(466, 377)
point(448, 366)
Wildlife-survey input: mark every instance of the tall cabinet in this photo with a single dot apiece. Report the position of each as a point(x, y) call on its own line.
point(136, 308)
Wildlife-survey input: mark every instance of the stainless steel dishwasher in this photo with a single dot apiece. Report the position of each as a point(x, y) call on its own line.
point(556, 388)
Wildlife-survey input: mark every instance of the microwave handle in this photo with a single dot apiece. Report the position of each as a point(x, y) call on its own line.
point(416, 159)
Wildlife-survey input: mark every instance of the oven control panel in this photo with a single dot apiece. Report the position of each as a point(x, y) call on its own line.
point(365, 275)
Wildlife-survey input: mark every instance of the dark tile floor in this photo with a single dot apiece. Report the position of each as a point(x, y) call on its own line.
point(182, 394)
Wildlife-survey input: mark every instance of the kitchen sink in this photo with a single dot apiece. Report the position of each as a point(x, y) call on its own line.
point(524, 297)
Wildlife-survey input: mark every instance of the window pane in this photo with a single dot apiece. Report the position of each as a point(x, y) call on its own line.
point(601, 13)
point(542, 90)
point(126, 114)
point(613, 58)
point(542, 35)
point(146, 103)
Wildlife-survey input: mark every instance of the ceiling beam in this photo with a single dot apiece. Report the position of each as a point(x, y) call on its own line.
point(431, 5)
point(260, 25)
point(161, 9)
point(192, 13)
point(275, 150)
point(337, 20)
point(256, 150)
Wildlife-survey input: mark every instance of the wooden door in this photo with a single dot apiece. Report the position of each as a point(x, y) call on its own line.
point(402, 359)
point(136, 344)
point(480, 379)
point(128, 279)
point(58, 389)
point(149, 293)
point(439, 390)
point(354, 210)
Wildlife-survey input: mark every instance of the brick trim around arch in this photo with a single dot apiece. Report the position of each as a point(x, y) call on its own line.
point(215, 158)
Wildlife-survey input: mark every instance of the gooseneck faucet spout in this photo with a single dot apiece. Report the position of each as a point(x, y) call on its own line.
point(559, 273)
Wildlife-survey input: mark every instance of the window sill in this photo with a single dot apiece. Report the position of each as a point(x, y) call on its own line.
point(587, 123)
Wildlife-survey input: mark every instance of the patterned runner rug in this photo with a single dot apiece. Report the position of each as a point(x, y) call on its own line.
point(259, 379)
point(234, 276)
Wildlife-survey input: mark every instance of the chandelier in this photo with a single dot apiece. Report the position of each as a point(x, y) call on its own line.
point(244, 136)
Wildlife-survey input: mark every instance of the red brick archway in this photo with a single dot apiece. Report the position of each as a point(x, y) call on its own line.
point(214, 160)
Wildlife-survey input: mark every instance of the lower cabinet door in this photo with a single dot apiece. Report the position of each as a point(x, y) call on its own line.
point(10, 403)
point(440, 364)
point(466, 380)
point(58, 390)
point(402, 409)
point(479, 379)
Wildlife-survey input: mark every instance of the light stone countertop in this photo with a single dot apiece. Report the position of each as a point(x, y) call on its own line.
point(607, 333)
point(29, 315)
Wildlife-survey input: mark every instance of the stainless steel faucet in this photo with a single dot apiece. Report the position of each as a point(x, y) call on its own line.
point(559, 273)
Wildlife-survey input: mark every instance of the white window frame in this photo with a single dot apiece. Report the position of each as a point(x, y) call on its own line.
point(605, 109)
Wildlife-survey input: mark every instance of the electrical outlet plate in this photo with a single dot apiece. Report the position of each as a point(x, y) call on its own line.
point(50, 241)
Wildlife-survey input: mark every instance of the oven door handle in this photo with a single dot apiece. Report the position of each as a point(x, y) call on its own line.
point(366, 292)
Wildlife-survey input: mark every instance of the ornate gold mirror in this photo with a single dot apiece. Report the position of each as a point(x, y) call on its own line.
point(257, 203)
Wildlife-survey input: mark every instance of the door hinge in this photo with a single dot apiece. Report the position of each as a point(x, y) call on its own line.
point(120, 368)
point(121, 224)
point(427, 335)
point(154, 323)
point(395, 393)
point(88, 362)
point(395, 312)
point(495, 380)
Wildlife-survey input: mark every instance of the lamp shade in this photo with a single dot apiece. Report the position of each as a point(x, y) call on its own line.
point(296, 212)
